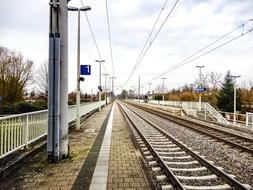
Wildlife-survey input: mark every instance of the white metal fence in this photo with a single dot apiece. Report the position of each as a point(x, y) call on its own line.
point(188, 110)
point(167, 103)
point(191, 108)
point(17, 131)
point(249, 120)
point(208, 108)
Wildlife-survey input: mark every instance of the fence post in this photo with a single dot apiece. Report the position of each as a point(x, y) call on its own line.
point(251, 124)
point(26, 137)
point(205, 111)
point(247, 119)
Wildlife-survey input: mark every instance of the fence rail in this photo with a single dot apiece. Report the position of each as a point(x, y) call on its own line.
point(188, 110)
point(18, 131)
point(249, 120)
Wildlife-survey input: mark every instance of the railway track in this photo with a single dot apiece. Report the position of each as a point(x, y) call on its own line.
point(174, 165)
point(235, 140)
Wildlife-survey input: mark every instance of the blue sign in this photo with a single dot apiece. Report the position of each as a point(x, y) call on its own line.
point(200, 89)
point(85, 69)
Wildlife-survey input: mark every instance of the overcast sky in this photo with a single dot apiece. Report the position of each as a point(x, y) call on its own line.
point(192, 25)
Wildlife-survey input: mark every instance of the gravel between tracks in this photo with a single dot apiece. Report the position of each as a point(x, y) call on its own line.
point(231, 159)
point(236, 130)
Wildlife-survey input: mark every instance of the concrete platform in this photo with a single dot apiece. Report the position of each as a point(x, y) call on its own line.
point(124, 169)
point(102, 156)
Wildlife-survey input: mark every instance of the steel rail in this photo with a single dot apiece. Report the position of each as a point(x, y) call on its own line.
point(230, 180)
point(174, 180)
point(199, 128)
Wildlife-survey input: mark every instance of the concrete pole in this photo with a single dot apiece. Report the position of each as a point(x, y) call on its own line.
point(78, 75)
point(235, 98)
point(63, 22)
point(200, 84)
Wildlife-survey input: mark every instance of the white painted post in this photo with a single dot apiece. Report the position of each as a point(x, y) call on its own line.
point(247, 119)
point(26, 128)
point(205, 110)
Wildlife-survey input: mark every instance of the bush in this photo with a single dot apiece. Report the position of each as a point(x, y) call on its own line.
point(20, 107)
point(158, 97)
point(71, 103)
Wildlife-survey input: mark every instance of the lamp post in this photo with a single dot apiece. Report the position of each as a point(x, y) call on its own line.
point(142, 97)
point(200, 84)
point(105, 87)
point(139, 86)
point(163, 87)
point(149, 89)
point(109, 89)
point(112, 78)
point(235, 77)
point(99, 87)
point(86, 8)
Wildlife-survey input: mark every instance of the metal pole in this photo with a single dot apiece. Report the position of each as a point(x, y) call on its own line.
point(200, 84)
point(163, 88)
point(149, 84)
point(105, 88)
point(113, 86)
point(235, 98)
point(78, 75)
point(99, 87)
point(142, 92)
point(50, 139)
point(109, 88)
point(139, 84)
point(53, 150)
point(235, 103)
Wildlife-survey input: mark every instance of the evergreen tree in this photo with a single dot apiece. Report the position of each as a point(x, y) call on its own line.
point(226, 95)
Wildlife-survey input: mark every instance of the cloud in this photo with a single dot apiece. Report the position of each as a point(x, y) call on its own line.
point(192, 25)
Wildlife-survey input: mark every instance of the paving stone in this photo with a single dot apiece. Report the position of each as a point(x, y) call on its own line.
point(124, 165)
point(38, 174)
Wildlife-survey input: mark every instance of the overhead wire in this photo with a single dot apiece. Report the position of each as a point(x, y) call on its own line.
point(93, 37)
point(150, 34)
point(139, 60)
point(109, 35)
point(182, 63)
point(146, 42)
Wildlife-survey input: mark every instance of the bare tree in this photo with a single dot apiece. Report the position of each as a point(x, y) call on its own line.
point(214, 80)
point(211, 80)
point(15, 74)
point(159, 89)
point(41, 80)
